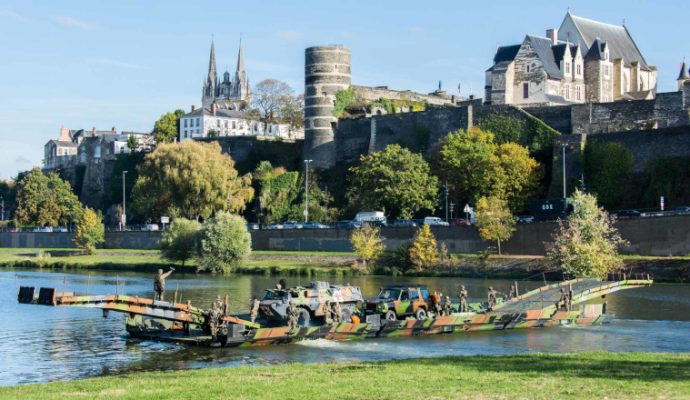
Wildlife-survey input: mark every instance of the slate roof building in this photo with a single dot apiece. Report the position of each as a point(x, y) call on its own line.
point(229, 93)
point(583, 60)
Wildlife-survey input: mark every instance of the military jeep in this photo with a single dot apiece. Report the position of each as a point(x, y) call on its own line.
point(310, 302)
point(395, 302)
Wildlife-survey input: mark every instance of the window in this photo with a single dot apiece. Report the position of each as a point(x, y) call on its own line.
point(234, 125)
point(527, 67)
point(185, 123)
point(606, 70)
point(567, 68)
point(226, 124)
point(577, 93)
point(579, 69)
point(525, 90)
point(567, 91)
point(217, 123)
point(197, 122)
point(414, 294)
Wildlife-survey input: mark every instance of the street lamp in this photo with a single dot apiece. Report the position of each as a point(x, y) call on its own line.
point(446, 190)
point(123, 221)
point(306, 190)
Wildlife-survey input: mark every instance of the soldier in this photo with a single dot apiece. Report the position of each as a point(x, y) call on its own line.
point(463, 298)
point(327, 312)
point(447, 307)
point(511, 292)
point(159, 283)
point(491, 298)
point(437, 302)
point(337, 312)
point(215, 318)
point(563, 301)
point(292, 315)
point(254, 309)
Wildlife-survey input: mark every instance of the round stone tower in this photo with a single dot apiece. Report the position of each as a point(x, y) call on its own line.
point(326, 71)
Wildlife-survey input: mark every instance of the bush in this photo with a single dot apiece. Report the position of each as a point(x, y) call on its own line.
point(223, 243)
point(423, 251)
point(90, 231)
point(367, 243)
point(178, 242)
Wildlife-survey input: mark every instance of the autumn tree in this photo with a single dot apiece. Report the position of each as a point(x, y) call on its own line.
point(90, 231)
point(367, 243)
point(423, 252)
point(223, 242)
point(586, 243)
point(494, 220)
point(167, 128)
point(394, 179)
point(45, 200)
point(193, 179)
point(475, 166)
point(178, 242)
point(276, 102)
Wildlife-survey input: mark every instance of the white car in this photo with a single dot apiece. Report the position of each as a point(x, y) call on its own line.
point(435, 221)
point(151, 227)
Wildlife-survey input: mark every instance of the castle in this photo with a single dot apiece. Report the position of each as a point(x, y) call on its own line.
point(231, 94)
point(582, 61)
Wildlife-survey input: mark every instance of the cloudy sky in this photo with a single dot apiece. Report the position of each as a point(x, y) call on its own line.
point(81, 64)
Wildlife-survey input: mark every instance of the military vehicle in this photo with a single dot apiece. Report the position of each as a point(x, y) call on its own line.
point(394, 302)
point(310, 301)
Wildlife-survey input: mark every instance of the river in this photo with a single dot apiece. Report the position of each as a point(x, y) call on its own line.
point(42, 344)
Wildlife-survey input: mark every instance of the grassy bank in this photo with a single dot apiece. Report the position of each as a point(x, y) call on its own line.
point(531, 376)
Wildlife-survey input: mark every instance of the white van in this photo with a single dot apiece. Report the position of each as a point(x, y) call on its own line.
point(435, 221)
point(370, 216)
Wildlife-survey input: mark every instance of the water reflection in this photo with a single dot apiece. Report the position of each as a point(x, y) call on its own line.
point(46, 343)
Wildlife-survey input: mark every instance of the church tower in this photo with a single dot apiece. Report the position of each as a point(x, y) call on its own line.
point(241, 82)
point(210, 89)
point(683, 77)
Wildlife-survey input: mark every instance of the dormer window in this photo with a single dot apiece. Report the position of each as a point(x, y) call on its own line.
point(578, 69)
point(567, 68)
point(528, 69)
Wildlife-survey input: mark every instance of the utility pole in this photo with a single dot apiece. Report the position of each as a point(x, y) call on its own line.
point(563, 146)
point(446, 187)
point(123, 222)
point(306, 190)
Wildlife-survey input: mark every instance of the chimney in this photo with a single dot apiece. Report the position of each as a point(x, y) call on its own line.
point(193, 107)
point(213, 108)
point(552, 34)
point(113, 130)
point(64, 134)
point(93, 131)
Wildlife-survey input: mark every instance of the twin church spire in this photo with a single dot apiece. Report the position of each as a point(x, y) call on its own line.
point(228, 93)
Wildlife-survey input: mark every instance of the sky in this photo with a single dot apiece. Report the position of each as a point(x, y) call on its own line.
point(84, 64)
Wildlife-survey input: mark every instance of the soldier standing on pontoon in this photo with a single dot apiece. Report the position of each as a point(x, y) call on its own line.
point(491, 298)
point(463, 298)
point(159, 283)
point(254, 309)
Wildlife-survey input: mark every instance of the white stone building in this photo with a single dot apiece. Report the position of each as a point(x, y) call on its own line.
point(584, 60)
point(214, 121)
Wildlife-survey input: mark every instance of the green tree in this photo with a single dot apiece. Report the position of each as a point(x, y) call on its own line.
point(45, 200)
point(167, 128)
point(494, 220)
point(586, 244)
point(192, 178)
point(395, 180)
point(367, 243)
point(90, 231)
point(608, 172)
point(423, 250)
point(223, 243)
point(132, 143)
point(519, 177)
point(8, 196)
point(178, 242)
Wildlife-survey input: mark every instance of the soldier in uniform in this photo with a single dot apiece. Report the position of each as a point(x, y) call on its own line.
point(254, 309)
point(563, 301)
point(437, 302)
point(447, 309)
point(327, 312)
point(491, 298)
point(159, 283)
point(215, 318)
point(511, 292)
point(337, 312)
point(463, 298)
point(292, 315)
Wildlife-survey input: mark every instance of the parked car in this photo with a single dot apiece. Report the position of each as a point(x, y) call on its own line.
point(370, 216)
point(628, 214)
point(348, 225)
point(60, 229)
point(43, 229)
point(315, 225)
point(524, 219)
point(435, 221)
point(253, 226)
point(274, 226)
point(151, 227)
point(377, 224)
point(292, 225)
point(460, 222)
point(401, 223)
point(682, 210)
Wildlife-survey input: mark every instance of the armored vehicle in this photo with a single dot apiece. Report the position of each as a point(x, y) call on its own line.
point(311, 302)
point(395, 302)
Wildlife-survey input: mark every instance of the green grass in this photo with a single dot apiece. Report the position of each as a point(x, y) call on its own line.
point(530, 376)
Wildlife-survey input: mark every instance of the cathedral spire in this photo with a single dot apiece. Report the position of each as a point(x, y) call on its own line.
point(212, 64)
point(240, 59)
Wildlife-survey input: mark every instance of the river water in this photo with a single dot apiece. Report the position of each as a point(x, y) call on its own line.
point(42, 344)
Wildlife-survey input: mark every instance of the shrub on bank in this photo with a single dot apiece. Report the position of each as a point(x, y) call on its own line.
point(223, 243)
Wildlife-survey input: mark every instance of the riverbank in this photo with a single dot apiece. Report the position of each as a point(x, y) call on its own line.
point(528, 376)
point(313, 263)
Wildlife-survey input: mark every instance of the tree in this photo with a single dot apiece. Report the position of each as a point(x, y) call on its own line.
point(223, 242)
point(193, 179)
point(167, 128)
point(475, 167)
point(178, 242)
point(292, 111)
point(275, 101)
point(586, 244)
point(494, 220)
point(45, 200)
point(132, 143)
point(367, 243)
point(423, 251)
point(394, 179)
point(608, 172)
point(8, 196)
point(90, 231)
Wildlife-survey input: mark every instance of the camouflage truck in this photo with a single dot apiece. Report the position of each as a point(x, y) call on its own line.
point(310, 301)
point(396, 302)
